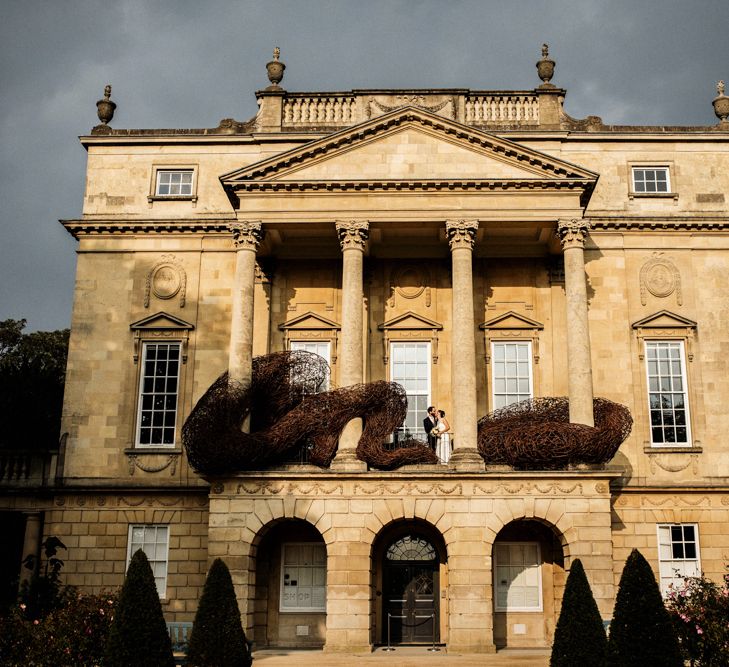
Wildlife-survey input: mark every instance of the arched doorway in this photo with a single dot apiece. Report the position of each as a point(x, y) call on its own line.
point(529, 577)
point(410, 571)
point(290, 586)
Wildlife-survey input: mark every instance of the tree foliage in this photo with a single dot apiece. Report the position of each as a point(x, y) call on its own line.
point(43, 592)
point(580, 637)
point(72, 635)
point(32, 375)
point(217, 638)
point(138, 634)
point(699, 609)
point(641, 634)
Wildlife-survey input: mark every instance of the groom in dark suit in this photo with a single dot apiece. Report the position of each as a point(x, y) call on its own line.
point(429, 423)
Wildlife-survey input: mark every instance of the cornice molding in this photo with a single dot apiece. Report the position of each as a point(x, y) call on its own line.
point(79, 228)
point(654, 224)
point(418, 185)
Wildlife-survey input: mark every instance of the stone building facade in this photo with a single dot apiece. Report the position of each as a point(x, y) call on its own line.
point(478, 247)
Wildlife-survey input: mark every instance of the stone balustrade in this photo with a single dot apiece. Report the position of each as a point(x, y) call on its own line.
point(316, 110)
point(501, 109)
point(492, 110)
point(20, 467)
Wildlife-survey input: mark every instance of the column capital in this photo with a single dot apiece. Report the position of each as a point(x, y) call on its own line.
point(461, 233)
point(353, 233)
point(247, 235)
point(573, 233)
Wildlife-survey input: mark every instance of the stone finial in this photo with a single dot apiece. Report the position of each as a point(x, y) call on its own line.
point(545, 67)
point(105, 108)
point(275, 69)
point(721, 104)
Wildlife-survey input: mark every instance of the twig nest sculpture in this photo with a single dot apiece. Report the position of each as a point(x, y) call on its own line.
point(537, 434)
point(286, 413)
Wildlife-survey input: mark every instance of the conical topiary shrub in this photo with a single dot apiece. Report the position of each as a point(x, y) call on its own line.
point(138, 634)
point(217, 638)
point(641, 632)
point(580, 638)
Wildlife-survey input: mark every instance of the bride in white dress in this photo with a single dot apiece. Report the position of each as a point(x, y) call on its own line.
point(443, 448)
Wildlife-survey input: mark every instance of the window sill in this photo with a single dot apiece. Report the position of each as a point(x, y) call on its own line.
point(151, 198)
point(653, 195)
point(152, 450)
point(659, 449)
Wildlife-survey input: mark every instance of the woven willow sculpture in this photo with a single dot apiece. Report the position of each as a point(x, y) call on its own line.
point(286, 414)
point(536, 434)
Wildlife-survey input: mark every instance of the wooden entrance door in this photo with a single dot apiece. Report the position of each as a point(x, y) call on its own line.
point(410, 593)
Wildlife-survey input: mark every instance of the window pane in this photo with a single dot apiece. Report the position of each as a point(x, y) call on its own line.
point(678, 553)
point(666, 390)
point(410, 367)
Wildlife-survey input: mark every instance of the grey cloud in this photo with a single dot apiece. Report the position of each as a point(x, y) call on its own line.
point(189, 64)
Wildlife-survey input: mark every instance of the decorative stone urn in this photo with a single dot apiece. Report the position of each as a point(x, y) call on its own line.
point(105, 108)
point(721, 104)
point(545, 67)
point(275, 69)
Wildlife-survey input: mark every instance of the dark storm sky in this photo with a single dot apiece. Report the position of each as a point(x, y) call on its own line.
point(189, 64)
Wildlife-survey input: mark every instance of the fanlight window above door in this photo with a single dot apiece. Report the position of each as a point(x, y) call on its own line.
point(411, 548)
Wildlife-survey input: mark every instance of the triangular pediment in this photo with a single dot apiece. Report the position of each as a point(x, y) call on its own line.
point(511, 321)
point(409, 322)
point(161, 320)
point(407, 145)
point(309, 322)
point(664, 319)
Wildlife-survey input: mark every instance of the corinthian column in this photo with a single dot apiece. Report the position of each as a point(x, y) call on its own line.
point(572, 234)
point(352, 237)
point(247, 236)
point(461, 237)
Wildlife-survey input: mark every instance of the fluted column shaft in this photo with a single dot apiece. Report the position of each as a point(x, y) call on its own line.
point(572, 234)
point(461, 237)
point(353, 236)
point(247, 236)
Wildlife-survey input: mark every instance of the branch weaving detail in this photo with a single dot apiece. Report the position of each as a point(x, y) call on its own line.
point(286, 415)
point(537, 435)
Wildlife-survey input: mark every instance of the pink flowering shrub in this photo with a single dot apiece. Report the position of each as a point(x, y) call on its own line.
point(73, 635)
point(699, 609)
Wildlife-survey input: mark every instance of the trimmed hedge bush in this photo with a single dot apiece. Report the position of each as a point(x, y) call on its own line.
point(217, 638)
point(138, 634)
point(580, 638)
point(641, 634)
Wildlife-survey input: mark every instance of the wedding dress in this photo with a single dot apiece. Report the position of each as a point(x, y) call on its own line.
point(443, 446)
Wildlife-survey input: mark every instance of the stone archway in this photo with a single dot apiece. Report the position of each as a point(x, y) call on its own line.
point(409, 572)
point(528, 582)
point(289, 590)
